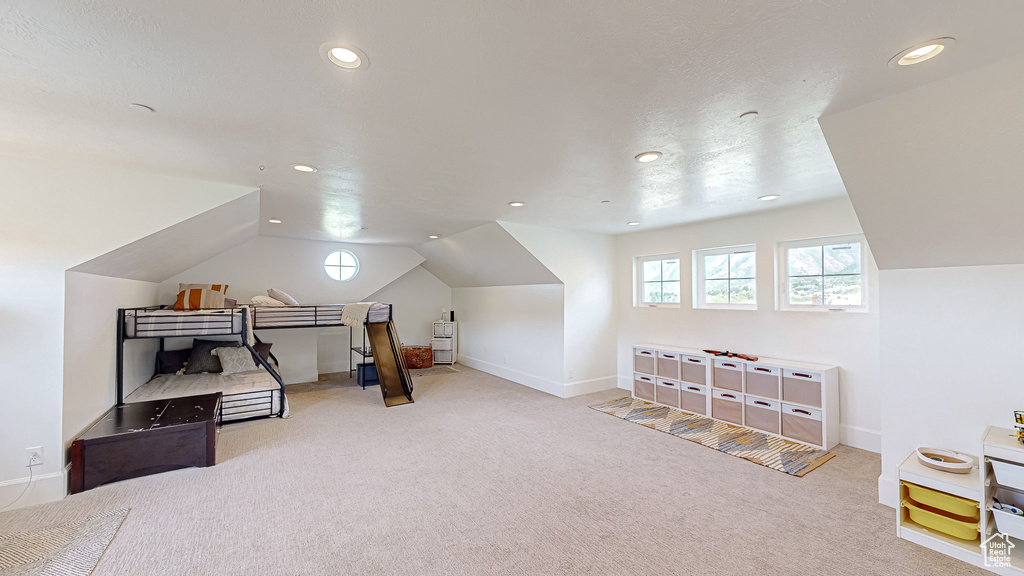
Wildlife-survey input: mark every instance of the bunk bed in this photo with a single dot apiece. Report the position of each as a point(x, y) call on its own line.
point(258, 393)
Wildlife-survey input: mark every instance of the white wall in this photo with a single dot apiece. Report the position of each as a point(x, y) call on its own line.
point(60, 215)
point(514, 332)
point(296, 267)
point(951, 340)
point(418, 297)
point(90, 346)
point(847, 340)
point(585, 264)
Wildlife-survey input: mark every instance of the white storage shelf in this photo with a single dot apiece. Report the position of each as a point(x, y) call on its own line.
point(445, 342)
point(794, 400)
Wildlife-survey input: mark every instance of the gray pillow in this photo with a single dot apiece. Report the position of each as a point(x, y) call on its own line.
point(201, 360)
point(278, 295)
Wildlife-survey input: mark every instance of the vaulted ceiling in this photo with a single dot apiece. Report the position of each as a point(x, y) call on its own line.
point(467, 105)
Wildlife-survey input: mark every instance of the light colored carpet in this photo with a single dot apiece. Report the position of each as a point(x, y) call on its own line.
point(482, 476)
point(70, 549)
point(433, 371)
point(783, 455)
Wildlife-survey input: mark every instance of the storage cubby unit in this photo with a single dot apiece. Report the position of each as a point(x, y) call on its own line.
point(445, 343)
point(1002, 478)
point(797, 401)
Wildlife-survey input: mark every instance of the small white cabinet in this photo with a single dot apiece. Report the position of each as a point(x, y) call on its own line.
point(445, 342)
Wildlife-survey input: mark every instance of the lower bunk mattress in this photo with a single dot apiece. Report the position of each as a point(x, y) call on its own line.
point(249, 394)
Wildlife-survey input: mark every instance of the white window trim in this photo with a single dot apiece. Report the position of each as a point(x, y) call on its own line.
point(782, 274)
point(698, 277)
point(638, 281)
point(355, 271)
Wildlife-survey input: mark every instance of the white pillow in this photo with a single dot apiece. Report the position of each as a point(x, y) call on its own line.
point(234, 359)
point(283, 297)
point(266, 301)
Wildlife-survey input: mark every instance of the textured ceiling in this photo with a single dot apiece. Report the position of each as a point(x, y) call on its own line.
point(467, 105)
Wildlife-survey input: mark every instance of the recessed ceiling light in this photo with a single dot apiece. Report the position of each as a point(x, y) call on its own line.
point(304, 167)
point(517, 204)
point(751, 115)
point(767, 197)
point(647, 156)
point(606, 201)
point(274, 221)
point(920, 52)
point(344, 56)
point(632, 223)
point(141, 107)
point(434, 236)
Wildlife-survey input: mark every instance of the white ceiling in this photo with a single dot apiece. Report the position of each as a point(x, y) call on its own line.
point(467, 105)
point(484, 256)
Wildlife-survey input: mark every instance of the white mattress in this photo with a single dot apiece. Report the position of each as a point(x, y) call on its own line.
point(246, 394)
point(320, 315)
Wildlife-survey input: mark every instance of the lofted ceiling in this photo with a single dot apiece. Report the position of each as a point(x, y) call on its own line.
point(467, 105)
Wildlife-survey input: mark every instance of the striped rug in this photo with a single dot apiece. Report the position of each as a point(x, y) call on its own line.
point(792, 458)
point(71, 549)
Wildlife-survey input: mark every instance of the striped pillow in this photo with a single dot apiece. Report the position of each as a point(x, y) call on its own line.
point(222, 288)
point(196, 298)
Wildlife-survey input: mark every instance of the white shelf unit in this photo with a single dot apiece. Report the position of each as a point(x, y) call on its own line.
point(445, 342)
point(1001, 446)
point(797, 401)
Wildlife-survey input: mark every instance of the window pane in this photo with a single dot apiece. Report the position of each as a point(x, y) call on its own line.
point(742, 265)
point(716, 266)
point(843, 290)
point(805, 261)
point(333, 272)
point(652, 270)
point(652, 291)
point(742, 292)
point(716, 291)
point(805, 291)
point(347, 259)
point(345, 272)
point(332, 259)
point(671, 269)
point(670, 292)
point(842, 259)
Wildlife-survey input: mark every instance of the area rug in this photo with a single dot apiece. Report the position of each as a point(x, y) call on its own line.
point(792, 458)
point(70, 549)
point(433, 371)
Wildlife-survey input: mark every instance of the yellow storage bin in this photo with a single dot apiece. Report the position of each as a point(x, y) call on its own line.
point(934, 521)
point(955, 505)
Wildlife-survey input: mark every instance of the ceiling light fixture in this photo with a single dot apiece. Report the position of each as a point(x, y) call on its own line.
point(304, 167)
point(767, 197)
point(751, 115)
point(920, 52)
point(141, 107)
point(632, 223)
point(274, 221)
point(647, 156)
point(434, 236)
point(344, 56)
point(517, 204)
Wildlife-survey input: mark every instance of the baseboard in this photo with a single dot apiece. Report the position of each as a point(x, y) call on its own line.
point(870, 440)
point(626, 382)
point(529, 380)
point(44, 488)
point(582, 387)
point(887, 493)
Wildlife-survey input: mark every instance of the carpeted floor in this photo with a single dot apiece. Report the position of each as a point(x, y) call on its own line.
point(482, 476)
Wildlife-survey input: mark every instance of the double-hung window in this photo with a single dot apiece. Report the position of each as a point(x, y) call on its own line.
point(823, 274)
point(725, 278)
point(658, 280)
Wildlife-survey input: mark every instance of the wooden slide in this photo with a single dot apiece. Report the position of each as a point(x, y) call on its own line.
point(395, 381)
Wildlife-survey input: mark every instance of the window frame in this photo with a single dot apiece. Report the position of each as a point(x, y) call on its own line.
point(699, 294)
point(638, 280)
point(782, 273)
point(355, 259)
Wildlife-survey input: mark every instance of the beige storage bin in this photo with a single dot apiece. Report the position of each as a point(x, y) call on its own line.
point(668, 365)
point(667, 393)
point(763, 381)
point(729, 374)
point(802, 424)
point(762, 414)
point(644, 361)
point(694, 398)
point(693, 369)
point(727, 406)
point(801, 387)
point(643, 387)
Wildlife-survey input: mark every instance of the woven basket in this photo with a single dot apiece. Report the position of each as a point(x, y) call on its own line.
point(418, 357)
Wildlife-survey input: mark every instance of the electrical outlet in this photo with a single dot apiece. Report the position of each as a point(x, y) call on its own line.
point(572, 373)
point(34, 456)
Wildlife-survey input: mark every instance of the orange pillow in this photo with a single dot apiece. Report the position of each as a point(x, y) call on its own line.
point(196, 298)
point(222, 288)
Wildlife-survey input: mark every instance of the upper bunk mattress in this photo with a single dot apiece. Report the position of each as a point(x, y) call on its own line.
point(246, 394)
point(308, 316)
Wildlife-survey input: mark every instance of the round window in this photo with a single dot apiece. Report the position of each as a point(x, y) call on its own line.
point(341, 265)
